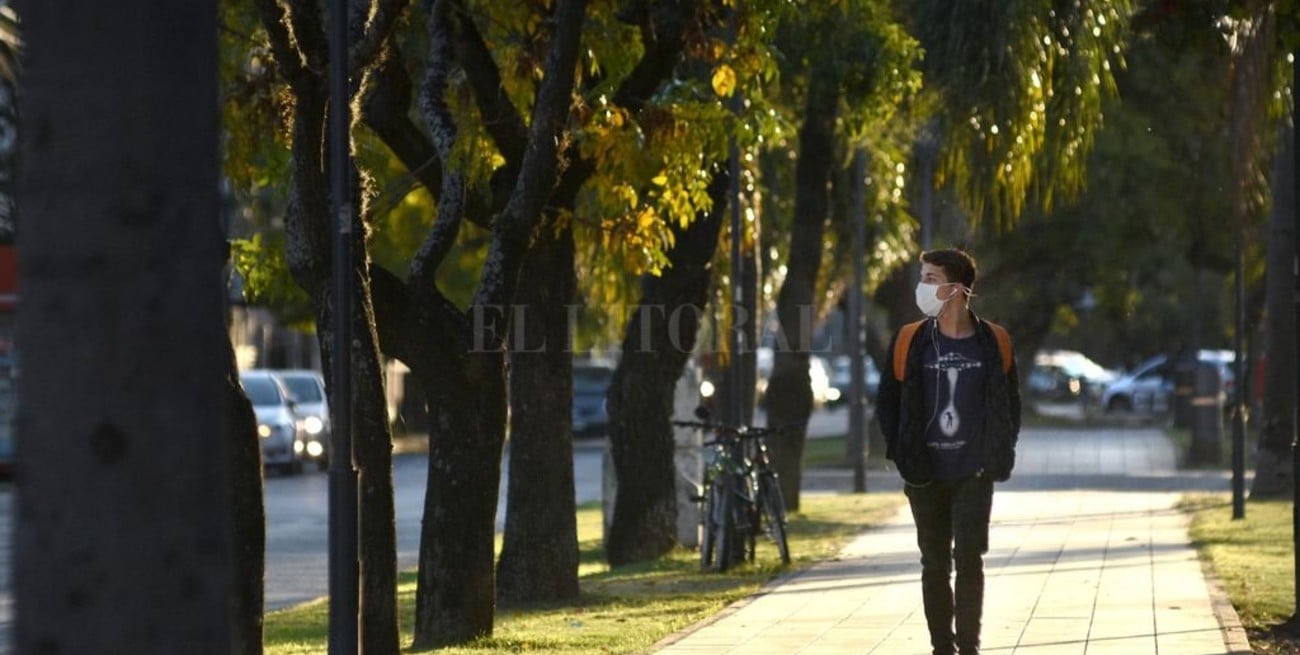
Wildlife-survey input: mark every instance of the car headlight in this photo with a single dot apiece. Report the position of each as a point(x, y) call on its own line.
point(267, 431)
point(315, 449)
point(313, 425)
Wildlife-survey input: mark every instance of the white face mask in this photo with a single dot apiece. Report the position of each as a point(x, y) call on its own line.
point(927, 298)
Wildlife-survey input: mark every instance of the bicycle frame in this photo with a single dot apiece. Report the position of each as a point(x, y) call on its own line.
point(740, 497)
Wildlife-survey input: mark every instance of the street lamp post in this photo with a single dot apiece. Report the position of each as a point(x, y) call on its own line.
point(857, 412)
point(343, 567)
point(1295, 416)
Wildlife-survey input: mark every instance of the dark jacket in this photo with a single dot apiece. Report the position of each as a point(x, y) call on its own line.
point(899, 409)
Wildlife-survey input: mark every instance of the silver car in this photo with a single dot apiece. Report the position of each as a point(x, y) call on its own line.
point(283, 448)
point(307, 391)
point(1150, 386)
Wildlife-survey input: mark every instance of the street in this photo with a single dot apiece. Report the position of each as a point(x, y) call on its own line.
point(297, 516)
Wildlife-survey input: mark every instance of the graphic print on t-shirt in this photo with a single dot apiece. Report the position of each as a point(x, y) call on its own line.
point(950, 367)
point(953, 388)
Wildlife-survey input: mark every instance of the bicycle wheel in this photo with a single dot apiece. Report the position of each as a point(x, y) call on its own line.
point(709, 518)
point(772, 506)
point(727, 538)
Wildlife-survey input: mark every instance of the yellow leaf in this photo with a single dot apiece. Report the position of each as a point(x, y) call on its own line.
point(660, 180)
point(724, 81)
point(646, 219)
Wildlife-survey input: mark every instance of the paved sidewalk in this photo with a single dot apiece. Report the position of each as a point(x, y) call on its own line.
point(1087, 556)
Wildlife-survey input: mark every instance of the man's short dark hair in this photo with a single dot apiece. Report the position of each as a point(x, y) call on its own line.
point(957, 265)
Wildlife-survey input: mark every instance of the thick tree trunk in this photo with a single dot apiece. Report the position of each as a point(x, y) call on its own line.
point(1273, 474)
point(246, 502)
point(539, 554)
point(659, 339)
point(455, 601)
point(789, 393)
point(123, 531)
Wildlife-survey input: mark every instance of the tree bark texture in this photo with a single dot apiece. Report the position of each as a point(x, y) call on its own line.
point(789, 392)
point(249, 511)
point(455, 594)
point(659, 339)
point(308, 233)
point(539, 554)
point(372, 454)
point(456, 588)
point(1273, 474)
point(123, 536)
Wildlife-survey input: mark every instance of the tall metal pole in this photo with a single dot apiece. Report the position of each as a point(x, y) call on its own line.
point(857, 372)
point(343, 567)
point(929, 148)
point(1239, 402)
point(1295, 272)
point(735, 375)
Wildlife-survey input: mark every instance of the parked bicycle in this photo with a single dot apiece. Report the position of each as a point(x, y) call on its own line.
point(741, 496)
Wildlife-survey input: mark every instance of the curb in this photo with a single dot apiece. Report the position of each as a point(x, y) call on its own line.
point(1234, 635)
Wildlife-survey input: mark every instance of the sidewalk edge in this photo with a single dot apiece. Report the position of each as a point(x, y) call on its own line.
point(731, 608)
point(1234, 635)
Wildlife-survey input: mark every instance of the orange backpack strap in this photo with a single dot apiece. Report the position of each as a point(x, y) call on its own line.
point(1004, 345)
point(908, 331)
point(901, 346)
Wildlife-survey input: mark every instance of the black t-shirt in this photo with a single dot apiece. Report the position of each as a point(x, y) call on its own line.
point(953, 380)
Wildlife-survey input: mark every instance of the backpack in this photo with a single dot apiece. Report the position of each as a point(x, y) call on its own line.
point(908, 331)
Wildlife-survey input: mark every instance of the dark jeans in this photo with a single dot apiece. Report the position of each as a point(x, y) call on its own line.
point(952, 524)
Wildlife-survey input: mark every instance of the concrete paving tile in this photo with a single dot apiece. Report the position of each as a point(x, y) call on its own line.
point(1071, 570)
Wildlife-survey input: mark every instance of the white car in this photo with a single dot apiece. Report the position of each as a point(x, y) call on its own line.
point(283, 447)
point(1066, 375)
point(307, 391)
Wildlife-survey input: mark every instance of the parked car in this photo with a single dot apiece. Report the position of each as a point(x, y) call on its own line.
point(1066, 375)
point(842, 379)
point(307, 391)
point(1150, 385)
point(283, 447)
point(590, 384)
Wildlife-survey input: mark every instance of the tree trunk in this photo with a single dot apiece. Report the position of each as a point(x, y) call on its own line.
point(659, 339)
point(307, 252)
point(372, 448)
point(789, 392)
point(455, 601)
point(246, 502)
point(124, 527)
point(456, 588)
point(1273, 474)
point(539, 554)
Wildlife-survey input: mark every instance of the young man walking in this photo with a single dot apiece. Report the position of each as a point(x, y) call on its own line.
point(950, 413)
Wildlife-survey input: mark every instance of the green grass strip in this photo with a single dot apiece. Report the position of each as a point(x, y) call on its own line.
point(624, 610)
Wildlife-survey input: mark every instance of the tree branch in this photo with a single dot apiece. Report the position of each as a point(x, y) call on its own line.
point(287, 57)
point(662, 33)
point(384, 108)
point(309, 33)
point(373, 35)
point(537, 176)
point(442, 130)
point(500, 117)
